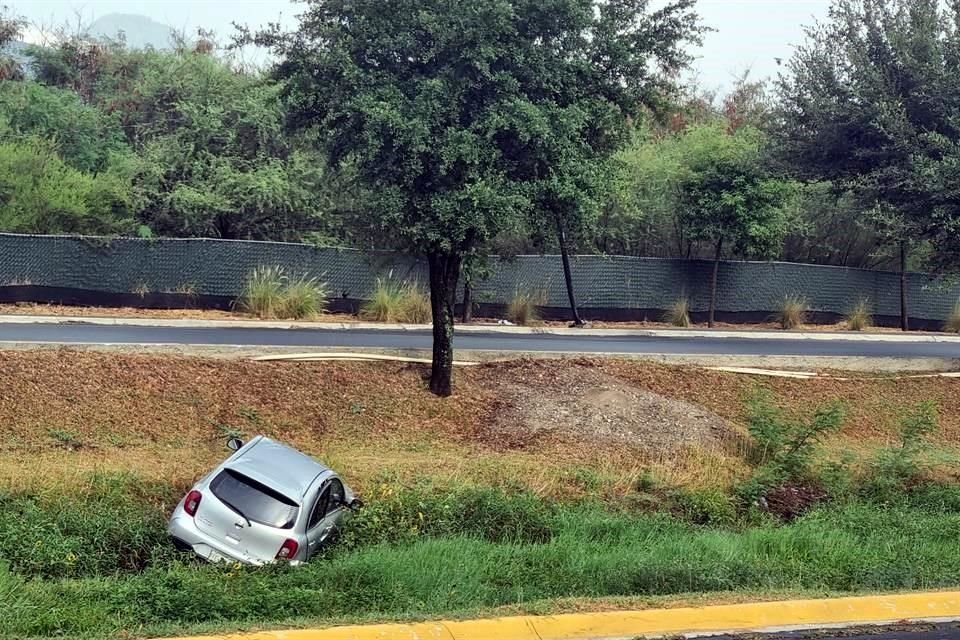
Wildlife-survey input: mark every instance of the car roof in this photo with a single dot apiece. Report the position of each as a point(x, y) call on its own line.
point(278, 466)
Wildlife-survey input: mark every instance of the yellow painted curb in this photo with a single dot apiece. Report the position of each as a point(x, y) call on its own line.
point(617, 625)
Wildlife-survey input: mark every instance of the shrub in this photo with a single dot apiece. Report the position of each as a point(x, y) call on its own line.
point(782, 446)
point(263, 292)
point(859, 317)
point(793, 312)
point(706, 507)
point(678, 314)
point(270, 293)
point(397, 301)
point(952, 323)
point(896, 471)
point(302, 298)
point(523, 307)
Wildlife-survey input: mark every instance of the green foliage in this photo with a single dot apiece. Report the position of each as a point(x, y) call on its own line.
point(523, 308)
point(397, 301)
point(40, 193)
point(270, 293)
point(895, 472)
point(706, 507)
point(859, 316)
point(678, 314)
point(868, 104)
point(793, 312)
point(783, 446)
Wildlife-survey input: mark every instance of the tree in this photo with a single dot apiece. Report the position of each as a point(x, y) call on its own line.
point(871, 103)
point(728, 198)
point(443, 109)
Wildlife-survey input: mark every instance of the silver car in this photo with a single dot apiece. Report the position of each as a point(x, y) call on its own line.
point(265, 503)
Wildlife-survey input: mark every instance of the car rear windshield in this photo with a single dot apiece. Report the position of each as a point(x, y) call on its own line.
point(254, 501)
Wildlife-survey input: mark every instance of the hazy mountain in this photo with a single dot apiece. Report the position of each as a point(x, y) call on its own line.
point(139, 31)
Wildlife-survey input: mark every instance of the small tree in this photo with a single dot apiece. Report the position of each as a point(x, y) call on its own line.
point(727, 198)
point(445, 109)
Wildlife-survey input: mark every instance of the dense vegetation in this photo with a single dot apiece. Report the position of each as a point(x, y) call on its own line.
point(509, 129)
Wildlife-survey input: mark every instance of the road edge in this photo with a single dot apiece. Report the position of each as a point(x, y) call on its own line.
point(480, 329)
point(761, 617)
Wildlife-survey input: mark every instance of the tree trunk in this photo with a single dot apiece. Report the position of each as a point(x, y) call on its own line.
point(567, 276)
point(713, 283)
point(904, 313)
point(466, 313)
point(444, 273)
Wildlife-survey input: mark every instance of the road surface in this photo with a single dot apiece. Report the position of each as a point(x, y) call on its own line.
point(906, 632)
point(79, 333)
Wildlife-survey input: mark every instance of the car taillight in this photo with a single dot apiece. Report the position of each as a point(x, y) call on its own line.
point(288, 549)
point(192, 502)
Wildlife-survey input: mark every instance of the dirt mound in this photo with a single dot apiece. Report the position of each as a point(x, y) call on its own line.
point(580, 401)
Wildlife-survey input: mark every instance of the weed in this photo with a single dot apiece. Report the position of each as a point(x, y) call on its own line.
point(250, 415)
point(952, 324)
point(678, 314)
point(793, 312)
point(142, 290)
point(66, 439)
point(859, 316)
point(302, 298)
point(270, 293)
point(706, 507)
point(895, 472)
point(783, 447)
point(397, 301)
point(524, 307)
point(263, 292)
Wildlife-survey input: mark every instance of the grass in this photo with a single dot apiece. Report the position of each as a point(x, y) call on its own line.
point(793, 312)
point(397, 301)
point(678, 315)
point(523, 308)
point(859, 316)
point(577, 551)
point(270, 293)
point(952, 324)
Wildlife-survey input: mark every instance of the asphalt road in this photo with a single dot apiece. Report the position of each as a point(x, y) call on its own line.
point(905, 632)
point(78, 333)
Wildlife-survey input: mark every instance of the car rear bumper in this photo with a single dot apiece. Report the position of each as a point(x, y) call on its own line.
point(187, 537)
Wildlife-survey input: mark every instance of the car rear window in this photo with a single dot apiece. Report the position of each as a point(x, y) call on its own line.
point(257, 502)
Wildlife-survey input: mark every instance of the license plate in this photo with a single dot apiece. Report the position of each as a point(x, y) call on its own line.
point(215, 557)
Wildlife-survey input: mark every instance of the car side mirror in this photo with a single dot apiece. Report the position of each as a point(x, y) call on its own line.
point(356, 504)
point(234, 444)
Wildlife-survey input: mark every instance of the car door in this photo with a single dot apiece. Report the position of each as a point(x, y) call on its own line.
point(326, 512)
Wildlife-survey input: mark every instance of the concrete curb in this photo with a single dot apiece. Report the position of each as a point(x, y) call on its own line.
point(481, 329)
point(686, 622)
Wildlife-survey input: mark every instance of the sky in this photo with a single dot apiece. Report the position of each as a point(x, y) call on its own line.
point(750, 34)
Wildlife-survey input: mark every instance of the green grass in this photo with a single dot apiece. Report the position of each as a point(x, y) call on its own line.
point(591, 553)
point(397, 301)
point(270, 293)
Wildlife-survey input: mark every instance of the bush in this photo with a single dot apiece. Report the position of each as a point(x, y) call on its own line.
point(302, 298)
point(793, 312)
point(706, 507)
point(859, 317)
point(678, 314)
point(952, 323)
point(783, 447)
point(270, 293)
point(523, 307)
point(895, 472)
point(397, 301)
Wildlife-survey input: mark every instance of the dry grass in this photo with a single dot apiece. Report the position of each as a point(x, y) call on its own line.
point(397, 301)
point(678, 315)
point(859, 316)
point(523, 308)
point(952, 324)
point(793, 313)
point(167, 417)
